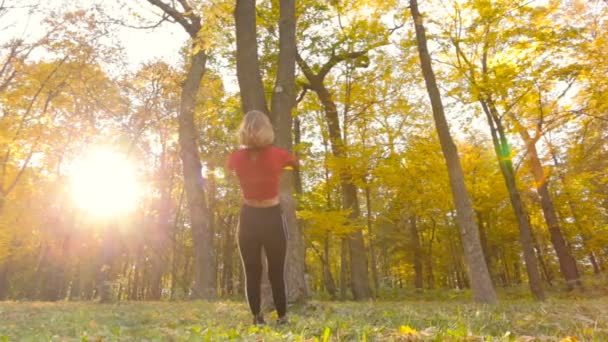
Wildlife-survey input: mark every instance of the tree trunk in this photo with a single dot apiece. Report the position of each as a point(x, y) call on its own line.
point(174, 244)
point(596, 266)
point(429, 258)
point(505, 266)
point(541, 260)
point(4, 284)
point(202, 233)
point(5, 270)
point(297, 139)
point(358, 263)
point(483, 239)
point(417, 252)
point(34, 285)
point(137, 279)
point(228, 257)
point(479, 277)
point(358, 257)
point(161, 231)
point(61, 276)
point(517, 272)
point(343, 268)
point(501, 147)
point(174, 263)
point(104, 276)
point(574, 212)
point(186, 280)
point(567, 264)
point(282, 102)
point(247, 66)
point(124, 288)
point(76, 283)
point(372, 251)
point(328, 279)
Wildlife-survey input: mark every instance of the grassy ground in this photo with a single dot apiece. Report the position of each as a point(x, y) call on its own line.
point(406, 320)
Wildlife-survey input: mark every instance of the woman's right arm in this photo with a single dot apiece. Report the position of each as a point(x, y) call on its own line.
point(290, 160)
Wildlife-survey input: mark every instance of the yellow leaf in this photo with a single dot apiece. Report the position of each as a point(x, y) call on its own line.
point(407, 330)
point(569, 339)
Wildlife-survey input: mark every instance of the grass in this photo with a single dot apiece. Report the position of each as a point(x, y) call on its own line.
point(404, 320)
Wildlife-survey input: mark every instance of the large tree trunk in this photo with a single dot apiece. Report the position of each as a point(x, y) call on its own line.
point(202, 234)
point(283, 100)
point(358, 257)
point(567, 264)
point(501, 147)
point(479, 277)
point(247, 66)
point(413, 225)
point(252, 93)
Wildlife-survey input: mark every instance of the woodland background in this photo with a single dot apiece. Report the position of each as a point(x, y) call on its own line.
point(523, 89)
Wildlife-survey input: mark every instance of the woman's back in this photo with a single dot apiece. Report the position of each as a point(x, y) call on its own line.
point(259, 170)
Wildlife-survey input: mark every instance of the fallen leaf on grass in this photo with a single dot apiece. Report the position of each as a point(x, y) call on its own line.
point(407, 330)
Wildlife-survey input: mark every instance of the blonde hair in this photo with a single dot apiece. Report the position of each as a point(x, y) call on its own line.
point(256, 130)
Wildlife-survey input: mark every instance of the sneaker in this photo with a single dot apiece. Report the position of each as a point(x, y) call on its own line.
point(259, 320)
point(282, 320)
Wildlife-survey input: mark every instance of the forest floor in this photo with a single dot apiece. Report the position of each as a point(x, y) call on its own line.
point(422, 318)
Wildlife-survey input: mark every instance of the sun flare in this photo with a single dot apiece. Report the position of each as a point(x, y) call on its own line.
point(104, 183)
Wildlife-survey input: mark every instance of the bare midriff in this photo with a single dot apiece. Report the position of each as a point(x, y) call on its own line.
point(265, 203)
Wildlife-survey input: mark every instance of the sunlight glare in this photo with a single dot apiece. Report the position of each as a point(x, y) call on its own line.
point(104, 183)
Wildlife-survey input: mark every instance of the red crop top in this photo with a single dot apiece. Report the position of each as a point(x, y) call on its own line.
point(259, 170)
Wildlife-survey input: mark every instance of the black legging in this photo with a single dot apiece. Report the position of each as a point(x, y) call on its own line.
point(263, 228)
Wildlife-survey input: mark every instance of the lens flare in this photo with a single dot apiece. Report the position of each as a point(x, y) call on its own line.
point(104, 183)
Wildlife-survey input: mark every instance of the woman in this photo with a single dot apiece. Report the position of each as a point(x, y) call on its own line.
point(258, 165)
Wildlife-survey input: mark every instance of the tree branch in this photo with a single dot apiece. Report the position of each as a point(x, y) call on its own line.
point(194, 19)
point(177, 16)
point(300, 97)
point(310, 75)
point(164, 18)
point(335, 59)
